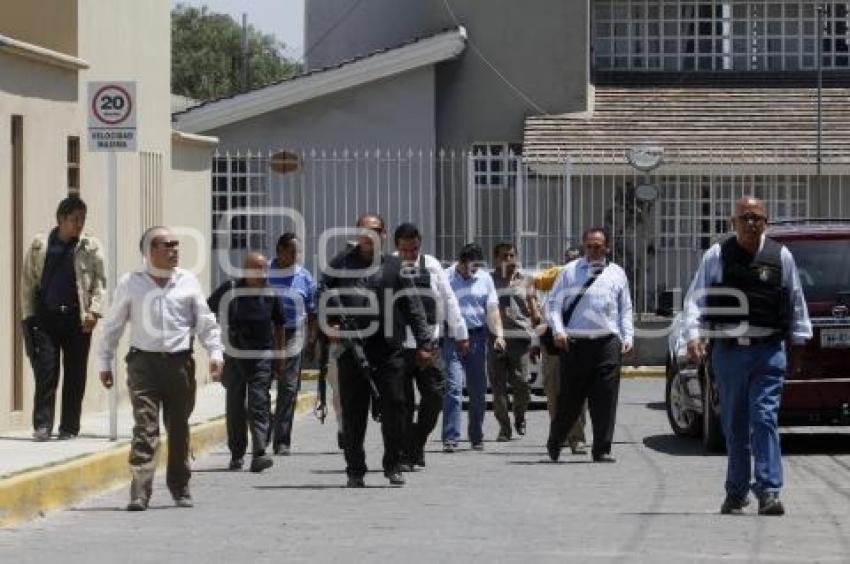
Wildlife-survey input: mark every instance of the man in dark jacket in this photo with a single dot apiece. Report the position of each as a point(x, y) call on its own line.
point(252, 318)
point(366, 304)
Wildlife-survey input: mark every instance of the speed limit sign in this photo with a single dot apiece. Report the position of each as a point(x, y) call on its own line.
point(112, 116)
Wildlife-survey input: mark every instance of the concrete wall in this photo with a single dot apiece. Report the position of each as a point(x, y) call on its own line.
point(396, 112)
point(122, 40)
point(46, 23)
point(46, 98)
point(539, 47)
point(334, 32)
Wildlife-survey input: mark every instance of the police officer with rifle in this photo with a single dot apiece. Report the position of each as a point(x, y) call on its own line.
point(365, 305)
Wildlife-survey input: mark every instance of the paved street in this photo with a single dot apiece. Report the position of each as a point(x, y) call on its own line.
point(657, 504)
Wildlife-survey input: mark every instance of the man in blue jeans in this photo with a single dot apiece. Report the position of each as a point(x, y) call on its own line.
point(298, 292)
point(756, 278)
point(479, 307)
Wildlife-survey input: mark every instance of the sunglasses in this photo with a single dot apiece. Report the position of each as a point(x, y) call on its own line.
point(172, 244)
point(752, 217)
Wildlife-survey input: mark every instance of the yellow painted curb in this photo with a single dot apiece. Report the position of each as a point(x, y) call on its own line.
point(633, 372)
point(32, 493)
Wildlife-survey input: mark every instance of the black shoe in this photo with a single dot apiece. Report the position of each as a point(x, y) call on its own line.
point(519, 425)
point(137, 504)
point(339, 440)
point(260, 463)
point(405, 467)
point(356, 482)
point(604, 457)
point(420, 461)
point(41, 435)
point(734, 504)
point(184, 500)
point(769, 504)
point(479, 445)
point(66, 435)
point(282, 450)
point(235, 464)
point(396, 478)
point(504, 436)
point(554, 451)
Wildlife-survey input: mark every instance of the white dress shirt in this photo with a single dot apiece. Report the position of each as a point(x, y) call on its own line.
point(162, 319)
point(605, 309)
point(448, 308)
point(711, 271)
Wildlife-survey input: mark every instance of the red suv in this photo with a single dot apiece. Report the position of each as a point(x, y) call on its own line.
point(817, 384)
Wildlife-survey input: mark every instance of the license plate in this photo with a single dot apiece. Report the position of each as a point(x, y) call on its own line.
point(835, 338)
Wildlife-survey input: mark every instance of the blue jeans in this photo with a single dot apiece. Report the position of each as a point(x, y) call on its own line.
point(473, 366)
point(749, 381)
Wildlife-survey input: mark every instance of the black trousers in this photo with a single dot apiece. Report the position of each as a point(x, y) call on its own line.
point(47, 335)
point(431, 383)
point(288, 385)
point(590, 370)
point(387, 363)
point(248, 404)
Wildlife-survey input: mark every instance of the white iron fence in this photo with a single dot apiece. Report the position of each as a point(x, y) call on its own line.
point(659, 223)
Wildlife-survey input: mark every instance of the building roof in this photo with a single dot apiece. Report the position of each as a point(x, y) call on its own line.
point(377, 65)
point(696, 125)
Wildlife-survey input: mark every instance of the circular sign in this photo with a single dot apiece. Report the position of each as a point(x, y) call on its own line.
point(111, 104)
point(646, 192)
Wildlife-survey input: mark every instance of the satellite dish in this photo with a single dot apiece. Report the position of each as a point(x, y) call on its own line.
point(645, 158)
point(283, 162)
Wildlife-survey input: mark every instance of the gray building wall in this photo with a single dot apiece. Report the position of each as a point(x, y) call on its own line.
point(397, 112)
point(540, 47)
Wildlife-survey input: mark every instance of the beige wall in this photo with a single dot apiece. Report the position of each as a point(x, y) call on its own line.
point(46, 98)
point(46, 23)
point(121, 40)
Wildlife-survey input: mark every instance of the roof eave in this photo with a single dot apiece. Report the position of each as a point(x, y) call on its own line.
point(41, 54)
point(381, 65)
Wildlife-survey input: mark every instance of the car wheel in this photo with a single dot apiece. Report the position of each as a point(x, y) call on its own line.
point(712, 430)
point(684, 422)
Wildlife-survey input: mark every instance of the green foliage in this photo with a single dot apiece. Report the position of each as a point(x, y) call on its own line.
point(206, 55)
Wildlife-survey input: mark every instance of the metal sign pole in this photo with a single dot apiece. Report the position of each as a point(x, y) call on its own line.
point(112, 279)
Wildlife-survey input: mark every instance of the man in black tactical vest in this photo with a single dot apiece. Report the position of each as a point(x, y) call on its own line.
point(366, 287)
point(746, 296)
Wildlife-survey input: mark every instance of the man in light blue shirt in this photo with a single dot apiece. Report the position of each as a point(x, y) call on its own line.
point(746, 296)
point(590, 313)
point(298, 290)
point(479, 307)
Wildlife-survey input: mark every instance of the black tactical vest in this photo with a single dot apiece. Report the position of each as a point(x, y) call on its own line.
point(422, 281)
point(760, 279)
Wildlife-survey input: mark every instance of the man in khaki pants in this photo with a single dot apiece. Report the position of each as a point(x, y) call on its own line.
point(165, 307)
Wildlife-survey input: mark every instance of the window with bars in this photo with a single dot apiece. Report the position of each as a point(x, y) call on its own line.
point(240, 184)
point(73, 157)
point(718, 35)
point(495, 164)
point(695, 210)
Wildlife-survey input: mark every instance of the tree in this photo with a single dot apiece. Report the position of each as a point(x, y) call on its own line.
point(206, 55)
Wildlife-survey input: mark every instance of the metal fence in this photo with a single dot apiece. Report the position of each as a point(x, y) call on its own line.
point(659, 223)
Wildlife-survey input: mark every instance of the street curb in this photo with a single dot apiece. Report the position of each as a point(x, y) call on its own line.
point(634, 372)
point(33, 493)
point(628, 373)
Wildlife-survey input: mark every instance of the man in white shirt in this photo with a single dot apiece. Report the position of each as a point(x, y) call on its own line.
point(165, 307)
point(590, 313)
point(441, 306)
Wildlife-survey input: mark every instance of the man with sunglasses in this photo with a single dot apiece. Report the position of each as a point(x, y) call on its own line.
point(746, 296)
point(366, 286)
point(165, 308)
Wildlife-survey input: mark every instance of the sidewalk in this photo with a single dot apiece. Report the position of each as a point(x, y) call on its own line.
point(39, 477)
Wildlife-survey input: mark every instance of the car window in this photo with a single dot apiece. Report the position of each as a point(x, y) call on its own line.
point(824, 268)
